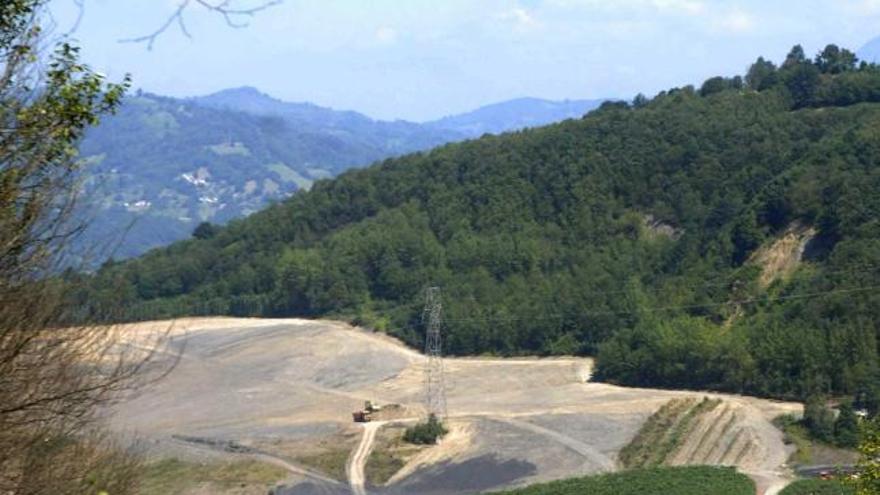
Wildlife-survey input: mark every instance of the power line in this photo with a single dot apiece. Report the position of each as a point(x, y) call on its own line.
point(435, 383)
point(752, 300)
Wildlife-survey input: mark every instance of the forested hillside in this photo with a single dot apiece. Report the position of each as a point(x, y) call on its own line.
point(163, 165)
point(638, 233)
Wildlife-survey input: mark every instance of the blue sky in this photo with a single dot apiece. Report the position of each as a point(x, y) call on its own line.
point(422, 59)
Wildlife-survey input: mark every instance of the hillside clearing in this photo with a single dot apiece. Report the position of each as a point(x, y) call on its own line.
point(276, 384)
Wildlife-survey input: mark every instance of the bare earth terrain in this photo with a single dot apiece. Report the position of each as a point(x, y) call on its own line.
point(282, 391)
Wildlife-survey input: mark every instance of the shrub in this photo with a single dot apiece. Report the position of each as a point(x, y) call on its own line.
point(817, 487)
point(426, 433)
point(689, 480)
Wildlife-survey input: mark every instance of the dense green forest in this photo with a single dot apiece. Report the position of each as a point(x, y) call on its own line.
point(817, 487)
point(629, 234)
point(161, 165)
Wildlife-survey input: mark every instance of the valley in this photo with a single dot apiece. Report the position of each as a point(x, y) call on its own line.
point(162, 165)
point(621, 286)
point(282, 392)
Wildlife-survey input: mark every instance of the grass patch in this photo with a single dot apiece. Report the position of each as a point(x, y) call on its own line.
point(331, 462)
point(691, 480)
point(288, 174)
point(389, 455)
point(641, 450)
point(677, 436)
point(426, 433)
point(176, 476)
point(225, 149)
point(664, 432)
point(809, 450)
point(381, 466)
point(817, 487)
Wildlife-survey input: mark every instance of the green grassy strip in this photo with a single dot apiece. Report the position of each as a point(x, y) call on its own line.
point(690, 480)
point(641, 450)
point(817, 487)
point(682, 429)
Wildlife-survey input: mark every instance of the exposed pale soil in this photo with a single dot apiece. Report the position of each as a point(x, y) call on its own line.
point(276, 384)
point(780, 258)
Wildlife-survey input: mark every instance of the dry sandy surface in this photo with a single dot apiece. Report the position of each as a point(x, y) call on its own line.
point(251, 382)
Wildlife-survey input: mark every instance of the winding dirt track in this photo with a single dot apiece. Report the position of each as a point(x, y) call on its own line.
point(358, 461)
point(268, 382)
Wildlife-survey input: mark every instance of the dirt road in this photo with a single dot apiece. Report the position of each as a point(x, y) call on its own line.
point(358, 460)
point(526, 420)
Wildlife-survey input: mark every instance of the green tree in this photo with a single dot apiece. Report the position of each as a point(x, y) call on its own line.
point(846, 426)
point(51, 386)
point(819, 419)
point(205, 230)
point(762, 75)
point(834, 60)
point(868, 480)
point(802, 82)
point(426, 433)
point(713, 85)
point(795, 57)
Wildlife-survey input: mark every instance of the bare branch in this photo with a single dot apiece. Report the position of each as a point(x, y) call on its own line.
point(81, 12)
point(234, 17)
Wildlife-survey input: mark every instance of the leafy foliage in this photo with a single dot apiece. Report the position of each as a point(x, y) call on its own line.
point(695, 480)
point(817, 487)
point(51, 384)
point(162, 165)
point(627, 234)
point(426, 433)
point(868, 480)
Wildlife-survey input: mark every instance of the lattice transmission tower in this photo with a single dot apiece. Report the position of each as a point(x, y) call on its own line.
point(435, 383)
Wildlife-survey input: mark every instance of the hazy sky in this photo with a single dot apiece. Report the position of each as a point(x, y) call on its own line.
point(422, 59)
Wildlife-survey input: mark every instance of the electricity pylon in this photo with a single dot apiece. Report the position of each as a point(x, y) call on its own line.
point(435, 383)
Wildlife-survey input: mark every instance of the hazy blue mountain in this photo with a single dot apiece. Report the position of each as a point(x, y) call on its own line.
point(515, 114)
point(163, 165)
point(871, 51)
point(384, 138)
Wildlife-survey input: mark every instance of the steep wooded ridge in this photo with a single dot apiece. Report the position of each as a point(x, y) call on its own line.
point(161, 165)
point(164, 165)
point(627, 234)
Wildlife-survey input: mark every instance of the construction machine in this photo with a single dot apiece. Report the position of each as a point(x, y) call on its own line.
point(365, 415)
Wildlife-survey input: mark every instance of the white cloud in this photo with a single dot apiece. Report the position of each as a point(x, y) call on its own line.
point(736, 21)
point(689, 7)
point(386, 35)
point(520, 17)
point(865, 7)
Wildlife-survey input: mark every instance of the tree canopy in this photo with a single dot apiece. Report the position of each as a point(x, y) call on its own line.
point(630, 234)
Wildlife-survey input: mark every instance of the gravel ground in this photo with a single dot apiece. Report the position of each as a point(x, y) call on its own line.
point(522, 420)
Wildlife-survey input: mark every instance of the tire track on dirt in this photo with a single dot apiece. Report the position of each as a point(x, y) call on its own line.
point(358, 461)
point(258, 455)
point(593, 456)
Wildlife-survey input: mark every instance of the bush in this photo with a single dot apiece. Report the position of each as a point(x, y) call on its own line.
point(690, 480)
point(425, 433)
point(817, 487)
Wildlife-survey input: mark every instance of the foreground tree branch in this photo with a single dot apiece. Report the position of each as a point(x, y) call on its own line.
point(235, 17)
point(58, 371)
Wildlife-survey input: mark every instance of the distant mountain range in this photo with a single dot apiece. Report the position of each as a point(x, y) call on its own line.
point(871, 51)
point(496, 118)
point(514, 114)
point(163, 165)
